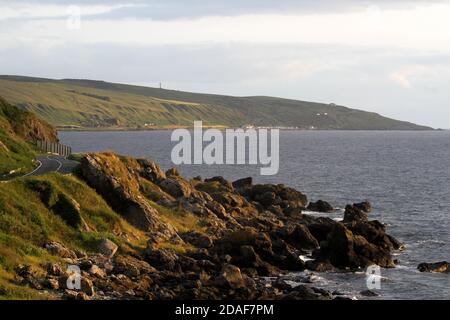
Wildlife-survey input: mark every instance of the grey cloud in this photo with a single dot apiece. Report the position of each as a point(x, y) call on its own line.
point(173, 9)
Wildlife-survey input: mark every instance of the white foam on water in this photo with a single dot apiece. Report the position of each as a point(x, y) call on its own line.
point(312, 213)
point(305, 258)
point(402, 267)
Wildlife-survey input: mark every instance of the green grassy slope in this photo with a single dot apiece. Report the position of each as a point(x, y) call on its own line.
point(44, 215)
point(93, 104)
point(15, 154)
point(63, 208)
point(18, 129)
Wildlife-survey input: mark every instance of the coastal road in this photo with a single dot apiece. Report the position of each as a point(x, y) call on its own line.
point(53, 163)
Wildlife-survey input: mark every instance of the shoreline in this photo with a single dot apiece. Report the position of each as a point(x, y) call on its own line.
point(59, 129)
point(212, 238)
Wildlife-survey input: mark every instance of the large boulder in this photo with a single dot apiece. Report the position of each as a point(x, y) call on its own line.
point(107, 248)
point(293, 197)
point(131, 266)
point(151, 171)
point(176, 186)
point(443, 267)
point(230, 276)
point(27, 271)
point(319, 265)
point(284, 256)
point(346, 250)
point(353, 213)
point(57, 249)
point(340, 247)
point(213, 186)
point(162, 259)
point(242, 185)
point(304, 292)
point(250, 260)
point(364, 206)
point(222, 181)
point(107, 174)
point(300, 237)
point(172, 172)
point(320, 206)
point(271, 194)
point(369, 253)
point(200, 240)
point(232, 242)
point(320, 227)
point(229, 199)
point(375, 232)
point(87, 286)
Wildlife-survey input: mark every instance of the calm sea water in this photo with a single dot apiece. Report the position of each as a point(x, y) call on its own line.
point(404, 174)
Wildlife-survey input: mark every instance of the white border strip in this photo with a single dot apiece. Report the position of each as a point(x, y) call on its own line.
point(30, 173)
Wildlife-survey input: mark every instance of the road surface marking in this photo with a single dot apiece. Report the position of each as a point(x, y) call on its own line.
point(30, 173)
point(60, 163)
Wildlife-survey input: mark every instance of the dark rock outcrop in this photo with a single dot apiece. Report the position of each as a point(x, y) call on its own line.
point(300, 237)
point(353, 213)
point(364, 206)
point(242, 185)
point(109, 176)
point(151, 171)
point(442, 267)
point(347, 250)
point(107, 248)
point(320, 206)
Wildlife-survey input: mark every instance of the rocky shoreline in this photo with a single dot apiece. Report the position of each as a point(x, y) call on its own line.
point(245, 241)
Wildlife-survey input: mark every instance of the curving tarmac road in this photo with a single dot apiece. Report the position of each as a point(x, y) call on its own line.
point(53, 163)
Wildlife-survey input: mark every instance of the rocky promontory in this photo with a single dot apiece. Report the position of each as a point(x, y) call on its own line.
point(210, 238)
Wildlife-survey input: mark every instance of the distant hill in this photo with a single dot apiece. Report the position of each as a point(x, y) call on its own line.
point(98, 104)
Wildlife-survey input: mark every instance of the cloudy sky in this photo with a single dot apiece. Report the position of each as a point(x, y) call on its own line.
point(391, 57)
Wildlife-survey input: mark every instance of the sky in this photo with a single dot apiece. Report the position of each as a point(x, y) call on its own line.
point(390, 57)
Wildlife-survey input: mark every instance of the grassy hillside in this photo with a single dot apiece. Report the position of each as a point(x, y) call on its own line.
point(28, 222)
point(97, 104)
point(64, 209)
point(18, 129)
point(16, 155)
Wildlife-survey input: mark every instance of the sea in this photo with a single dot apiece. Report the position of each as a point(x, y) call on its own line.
point(404, 174)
